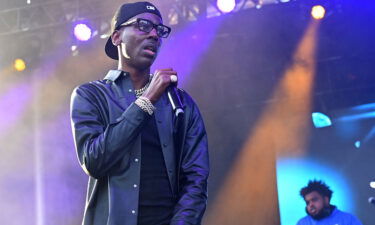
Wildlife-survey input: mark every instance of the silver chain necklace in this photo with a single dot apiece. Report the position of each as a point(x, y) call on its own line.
point(139, 92)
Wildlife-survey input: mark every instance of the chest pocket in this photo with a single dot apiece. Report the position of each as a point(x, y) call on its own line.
point(116, 109)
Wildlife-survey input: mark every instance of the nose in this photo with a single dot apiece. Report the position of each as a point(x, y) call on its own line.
point(311, 205)
point(153, 33)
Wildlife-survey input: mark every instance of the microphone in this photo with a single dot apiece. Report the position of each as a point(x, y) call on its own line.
point(371, 200)
point(175, 100)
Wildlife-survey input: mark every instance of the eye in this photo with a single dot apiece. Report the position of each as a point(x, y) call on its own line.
point(145, 25)
point(163, 31)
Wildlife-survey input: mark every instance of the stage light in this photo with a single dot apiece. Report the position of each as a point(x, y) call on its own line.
point(357, 144)
point(318, 12)
point(104, 30)
point(104, 36)
point(19, 65)
point(226, 6)
point(321, 120)
point(82, 32)
point(258, 3)
point(73, 48)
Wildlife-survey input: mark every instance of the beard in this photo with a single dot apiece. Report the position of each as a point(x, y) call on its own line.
point(323, 213)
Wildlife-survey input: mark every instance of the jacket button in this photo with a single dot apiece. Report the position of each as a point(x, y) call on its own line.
point(165, 145)
point(130, 90)
point(135, 186)
point(136, 160)
point(133, 211)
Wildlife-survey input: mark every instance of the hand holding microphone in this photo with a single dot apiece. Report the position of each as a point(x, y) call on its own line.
point(174, 97)
point(165, 80)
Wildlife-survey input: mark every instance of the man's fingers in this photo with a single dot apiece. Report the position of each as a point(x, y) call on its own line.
point(166, 69)
point(171, 72)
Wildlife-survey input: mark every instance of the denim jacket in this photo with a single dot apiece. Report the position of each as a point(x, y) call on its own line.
point(106, 128)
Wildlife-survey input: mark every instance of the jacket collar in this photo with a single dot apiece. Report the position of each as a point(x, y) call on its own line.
point(112, 75)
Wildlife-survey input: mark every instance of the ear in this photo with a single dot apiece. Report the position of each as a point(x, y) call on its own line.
point(326, 200)
point(116, 38)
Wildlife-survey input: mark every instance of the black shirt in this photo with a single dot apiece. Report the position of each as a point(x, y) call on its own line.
point(156, 201)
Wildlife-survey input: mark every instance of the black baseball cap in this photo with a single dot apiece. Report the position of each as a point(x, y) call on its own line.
point(123, 14)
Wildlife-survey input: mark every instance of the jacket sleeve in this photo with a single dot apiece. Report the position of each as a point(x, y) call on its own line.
point(194, 173)
point(99, 143)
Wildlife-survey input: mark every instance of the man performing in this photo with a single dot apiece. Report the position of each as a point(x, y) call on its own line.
point(140, 171)
point(317, 196)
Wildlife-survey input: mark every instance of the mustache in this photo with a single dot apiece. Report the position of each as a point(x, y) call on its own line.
point(321, 214)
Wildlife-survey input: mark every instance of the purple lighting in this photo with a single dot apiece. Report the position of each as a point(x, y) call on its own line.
point(16, 101)
point(183, 51)
point(226, 6)
point(82, 32)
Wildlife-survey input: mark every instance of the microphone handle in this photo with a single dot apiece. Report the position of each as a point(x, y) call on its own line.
point(175, 100)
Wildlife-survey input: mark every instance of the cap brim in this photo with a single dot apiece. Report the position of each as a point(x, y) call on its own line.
point(111, 50)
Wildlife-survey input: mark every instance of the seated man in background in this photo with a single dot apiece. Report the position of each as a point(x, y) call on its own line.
point(317, 196)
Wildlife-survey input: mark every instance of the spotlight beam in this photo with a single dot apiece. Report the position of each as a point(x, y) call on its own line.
point(282, 129)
